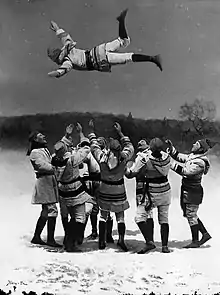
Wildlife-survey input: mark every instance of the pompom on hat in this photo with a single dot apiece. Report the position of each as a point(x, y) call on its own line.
point(33, 136)
point(114, 144)
point(156, 144)
point(206, 144)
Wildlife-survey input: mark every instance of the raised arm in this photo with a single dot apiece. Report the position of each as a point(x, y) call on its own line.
point(65, 67)
point(127, 147)
point(80, 131)
point(67, 138)
point(95, 147)
point(64, 37)
point(81, 154)
point(139, 163)
point(179, 157)
point(192, 167)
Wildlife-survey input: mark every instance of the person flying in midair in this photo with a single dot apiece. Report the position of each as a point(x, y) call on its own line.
point(100, 58)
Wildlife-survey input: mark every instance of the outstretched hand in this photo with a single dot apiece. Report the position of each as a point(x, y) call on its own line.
point(53, 26)
point(79, 127)
point(69, 129)
point(91, 124)
point(170, 145)
point(53, 74)
point(117, 127)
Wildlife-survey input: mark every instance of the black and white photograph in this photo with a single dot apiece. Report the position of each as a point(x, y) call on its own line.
point(109, 147)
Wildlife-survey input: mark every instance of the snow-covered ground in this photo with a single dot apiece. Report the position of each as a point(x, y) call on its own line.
point(108, 271)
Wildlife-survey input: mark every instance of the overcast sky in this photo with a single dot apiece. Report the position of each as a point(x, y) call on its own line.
point(185, 33)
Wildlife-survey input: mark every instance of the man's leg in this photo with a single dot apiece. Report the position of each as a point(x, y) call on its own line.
point(150, 225)
point(51, 225)
point(94, 221)
point(88, 211)
point(123, 40)
point(146, 227)
point(123, 58)
point(164, 226)
point(109, 238)
point(205, 235)
point(122, 29)
point(78, 217)
point(121, 230)
point(191, 215)
point(42, 220)
point(81, 220)
point(64, 218)
point(102, 228)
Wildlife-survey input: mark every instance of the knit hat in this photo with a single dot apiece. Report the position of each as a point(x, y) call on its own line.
point(156, 144)
point(53, 54)
point(33, 144)
point(142, 145)
point(206, 144)
point(114, 144)
point(33, 135)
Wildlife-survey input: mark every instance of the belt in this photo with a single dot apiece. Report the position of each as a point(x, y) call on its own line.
point(158, 180)
point(89, 62)
point(188, 181)
point(116, 182)
point(92, 177)
point(69, 194)
point(39, 175)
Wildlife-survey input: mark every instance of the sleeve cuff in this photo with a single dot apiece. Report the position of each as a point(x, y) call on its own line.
point(178, 169)
point(92, 136)
point(60, 31)
point(125, 139)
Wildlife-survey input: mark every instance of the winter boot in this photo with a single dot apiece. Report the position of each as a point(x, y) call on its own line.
point(70, 240)
point(75, 233)
point(146, 230)
point(81, 238)
point(109, 238)
point(205, 235)
point(65, 224)
point(150, 226)
point(195, 237)
point(121, 232)
point(121, 19)
point(156, 59)
point(122, 15)
point(164, 231)
point(102, 235)
point(38, 230)
point(94, 234)
point(51, 224)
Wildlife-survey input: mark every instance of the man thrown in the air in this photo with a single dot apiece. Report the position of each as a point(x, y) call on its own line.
point(100, 58)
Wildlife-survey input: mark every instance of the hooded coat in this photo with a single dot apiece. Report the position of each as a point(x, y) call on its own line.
point(45, 189)
point(193, 167)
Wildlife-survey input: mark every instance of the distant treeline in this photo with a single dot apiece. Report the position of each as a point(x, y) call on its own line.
point(14, 131)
